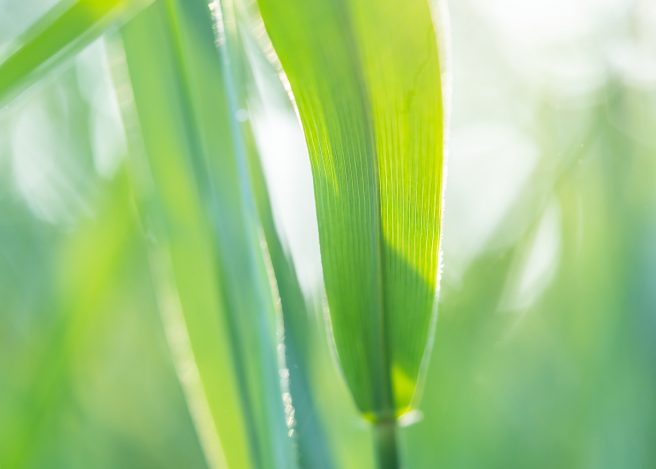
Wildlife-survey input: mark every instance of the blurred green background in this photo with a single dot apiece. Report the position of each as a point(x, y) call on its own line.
point(545, 354)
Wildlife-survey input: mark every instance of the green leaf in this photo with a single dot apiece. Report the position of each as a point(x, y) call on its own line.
point(365, 75)
point(196, 202)
point(57, 36)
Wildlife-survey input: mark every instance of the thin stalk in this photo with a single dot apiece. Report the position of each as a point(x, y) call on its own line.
point(386, 444)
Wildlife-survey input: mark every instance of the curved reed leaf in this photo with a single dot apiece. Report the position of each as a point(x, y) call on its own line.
point(365, 75)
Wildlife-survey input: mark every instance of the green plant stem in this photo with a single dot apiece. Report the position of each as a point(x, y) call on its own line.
point(386, 445)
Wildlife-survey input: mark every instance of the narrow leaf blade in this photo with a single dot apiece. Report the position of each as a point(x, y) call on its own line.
point(195, 199)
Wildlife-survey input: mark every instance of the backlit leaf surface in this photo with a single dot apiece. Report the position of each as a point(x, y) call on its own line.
point(365, 75)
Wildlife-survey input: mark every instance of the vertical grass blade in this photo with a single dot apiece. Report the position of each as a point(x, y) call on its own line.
point(305, 423)
point(365, 75)
point(300, 407)
point(197, 204)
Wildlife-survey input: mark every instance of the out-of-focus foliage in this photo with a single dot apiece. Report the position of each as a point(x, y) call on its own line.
point(86, 374)
point(545, 348)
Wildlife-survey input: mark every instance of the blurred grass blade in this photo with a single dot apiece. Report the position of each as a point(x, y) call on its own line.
point(301, 409)
point(308, 429)
point(57, 36)
point(365, 75)
point(196, 202)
